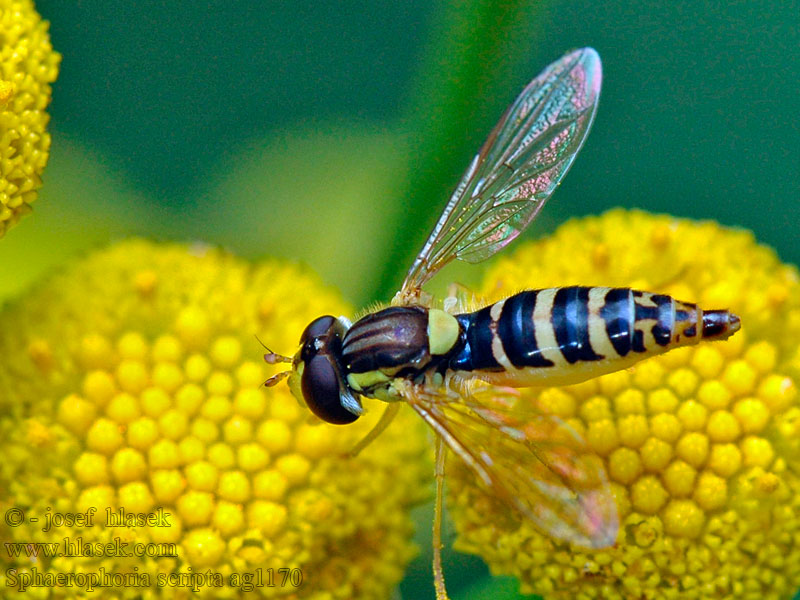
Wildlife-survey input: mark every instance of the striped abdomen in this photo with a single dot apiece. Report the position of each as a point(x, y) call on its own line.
point(566, 335)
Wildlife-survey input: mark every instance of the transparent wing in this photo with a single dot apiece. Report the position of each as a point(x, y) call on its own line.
point(535, 463)
point(519, 166)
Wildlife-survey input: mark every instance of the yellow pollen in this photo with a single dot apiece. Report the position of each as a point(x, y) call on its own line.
point(600, 256)
point(270, 485)
point(707, 361)
point(128, 465)
point(237, 430)
point(95, 352)
point(666, 427)
point(104, 437)
point(6, 93)
point(145, 282)
point(624, 465)
point(132, 375)
point(135, 497)
point(249, 375)
point(193, 327)
point(41, 354)
point(167, 348)
point(757, 452)
point(661, 400)
point(274, 435)
point(629, 402)
point(228, 518)
point(205, 430)
point(602, 436)
point(661, 237)
point(167, 485)
point(234, 486)
point(778, 392)
point(714, 395)
point(269, 517)
point(656, 454)
point(202, 476)
point(692, 415)
point(167, 376)
point(155, 402)
point(132, 345)
point(172, 424)
point(294, 467)
point(91, 469)
point(195, 508)
point(723, 427)
point(123, 408)
point(197, 368)
point(648, 495)
point(76, 414)
point(648, 375)
point(633, 430)
point(679, 478)
point(595, 409)
point(142, 433)
point(683, 382)
point(739, 377)
point(725, 459)
point(252, 457)
point(693, 448)
point(164, 454)
point(98, 387)
point(683, 518)
point(752, 414)
point(711, 491)
point(189, 398)
point(219, 384)
point(222, 456)
point(204, 548)
point(250, 403)
point(191, 449)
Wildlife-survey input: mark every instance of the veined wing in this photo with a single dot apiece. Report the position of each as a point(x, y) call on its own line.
point(519, 166)
point(533, 462)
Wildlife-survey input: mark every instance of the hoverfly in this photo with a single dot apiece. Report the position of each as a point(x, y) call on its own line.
point(457, 369)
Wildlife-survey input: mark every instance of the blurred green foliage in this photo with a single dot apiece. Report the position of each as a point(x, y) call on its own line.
point(334, 132)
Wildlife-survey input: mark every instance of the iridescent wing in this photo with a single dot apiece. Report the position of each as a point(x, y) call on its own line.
point(519, 166)
point(533, 462)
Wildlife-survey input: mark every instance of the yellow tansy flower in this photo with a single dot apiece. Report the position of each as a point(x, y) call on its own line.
point(133, 381)
point(701, 445)
point(28, 65)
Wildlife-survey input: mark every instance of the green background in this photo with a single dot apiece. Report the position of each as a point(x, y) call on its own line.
point(333, 132)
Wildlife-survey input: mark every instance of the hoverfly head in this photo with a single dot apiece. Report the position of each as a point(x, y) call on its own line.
point(316, 376)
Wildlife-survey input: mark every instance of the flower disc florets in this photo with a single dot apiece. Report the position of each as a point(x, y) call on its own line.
point(28, 65)
point(701, 445)
point(132, 384)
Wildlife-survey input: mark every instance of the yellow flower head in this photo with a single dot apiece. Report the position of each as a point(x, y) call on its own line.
point(701, 445)
point(28, 66)
point(131, 384)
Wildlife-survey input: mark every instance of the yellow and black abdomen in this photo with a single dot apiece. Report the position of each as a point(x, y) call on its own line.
point(566, 335)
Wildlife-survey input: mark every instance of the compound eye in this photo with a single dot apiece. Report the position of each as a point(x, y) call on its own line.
point(318, 327)
point(321, 387)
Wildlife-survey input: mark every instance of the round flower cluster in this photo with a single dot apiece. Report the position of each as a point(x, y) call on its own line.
point(701, 445)
point(131, 384)
point(28, 65)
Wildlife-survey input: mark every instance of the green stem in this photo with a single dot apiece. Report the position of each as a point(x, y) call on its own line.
point(475, 45)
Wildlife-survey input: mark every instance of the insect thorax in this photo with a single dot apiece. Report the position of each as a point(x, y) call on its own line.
point(400, 341)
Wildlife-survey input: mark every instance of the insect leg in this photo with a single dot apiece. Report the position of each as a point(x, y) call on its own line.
point(388, 414)
point(438, 574)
